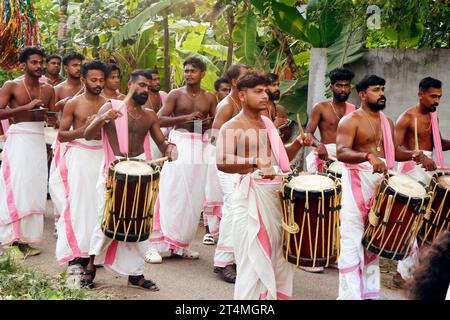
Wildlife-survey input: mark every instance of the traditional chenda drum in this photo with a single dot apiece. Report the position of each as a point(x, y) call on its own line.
point(438, 217)
point(310, 204)
point(131, 190)
point(50, 134)
point(396, 216)
point(334, 168)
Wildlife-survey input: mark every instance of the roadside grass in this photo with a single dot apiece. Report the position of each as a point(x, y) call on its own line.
point(18, 282)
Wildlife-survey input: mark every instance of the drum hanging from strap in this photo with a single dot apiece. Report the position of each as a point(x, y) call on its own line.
point(334, 168)
point(310, 205)
point(131, 191)
point(437, 218)
point(396, 216)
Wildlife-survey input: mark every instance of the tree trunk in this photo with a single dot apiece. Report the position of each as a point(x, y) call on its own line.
point(166, 54)
point(231, 24)
point(62, 27)
point(287, 51)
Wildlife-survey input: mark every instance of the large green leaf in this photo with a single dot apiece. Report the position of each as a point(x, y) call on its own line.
point(193, 41)
point(218, 51)
point(291, 21)
point(130, 30)
point(244, 34)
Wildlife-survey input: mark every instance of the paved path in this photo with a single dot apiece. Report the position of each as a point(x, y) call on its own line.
point(194, 279)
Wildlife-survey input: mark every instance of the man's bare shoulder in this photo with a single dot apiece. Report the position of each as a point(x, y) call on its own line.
point(224, 105)
point(233, 123)
point(61, 85)
point(11, 84)
point(319, 106)
point(351, 118)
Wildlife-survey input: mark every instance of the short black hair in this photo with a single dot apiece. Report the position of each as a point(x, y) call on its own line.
point(219, 81)
point(234, 71)
point(252, 79)
point(196, 63)
point(367, 81)
point(72, 56)
point(340, 74)
point(53, 56)
point(92, 65)
point(26, 52)
point(272, 77)
point(138, 73)
point(429, 82)
point(151, 72)
point(110, 67)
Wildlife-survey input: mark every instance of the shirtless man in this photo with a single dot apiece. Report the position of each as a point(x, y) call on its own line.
point(366, 144)
point(223, 87)
point(274, 111)
point(53, 68)
point(190, 110)
point(228, 107)
point(113, 75)
point(121, 121)
point(72, 85)
point(73, 183)
point(326, 115)
point(156, 96)
point(262, 272)
point(22, 220)
point(430, 93)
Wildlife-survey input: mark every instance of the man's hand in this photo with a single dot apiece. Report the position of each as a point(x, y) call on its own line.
point(36, 103)
point(111, 115)
point(378, 165)
point(427, 163)
point(194, 116)
point(322, 152)
point(171, 152)
point(305, 139)
point(266, 169)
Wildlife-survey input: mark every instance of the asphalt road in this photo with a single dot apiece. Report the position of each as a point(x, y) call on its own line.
point(194, 279)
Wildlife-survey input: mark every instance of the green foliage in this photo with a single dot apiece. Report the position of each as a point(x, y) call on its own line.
point(48, 14)
point(245, 36)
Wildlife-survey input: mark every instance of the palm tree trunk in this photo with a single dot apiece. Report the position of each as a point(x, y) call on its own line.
point(62, 27)
point(231, 24)
point(166, 54)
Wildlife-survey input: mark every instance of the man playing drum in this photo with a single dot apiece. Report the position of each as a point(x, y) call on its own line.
point(73, 183)
point(365, 143)
point(246, 143)
point(421, 118)
point(326, 116)
point(190, 111)
point(23, 187)
point(230, 106)
point(125, 126)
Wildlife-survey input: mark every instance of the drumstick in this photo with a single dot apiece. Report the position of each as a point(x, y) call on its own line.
point(158, 160)
point(300, 125)
point(203, 120)
point(416, 138)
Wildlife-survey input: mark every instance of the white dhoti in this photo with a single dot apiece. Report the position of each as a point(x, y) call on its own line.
point(58, 151)
point(23, 184)
point(212, 207)
point(155, 152)
point(406, 266)
point(125, 258)
point(181, 194)
point(314, 163)
point(224, 254)
point(262, 272)
point(74, 193)
point(359, 271)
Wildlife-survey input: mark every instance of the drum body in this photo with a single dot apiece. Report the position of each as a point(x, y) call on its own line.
point(395, 216)
point(334, 168)
point(310, 205)
point(437, 218)
point(131, 190)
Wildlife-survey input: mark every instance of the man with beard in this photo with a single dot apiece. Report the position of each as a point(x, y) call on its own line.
point(53, 68)
point(156, 96)
point(72, 85)
point(73, 183)
point(326, 115)
point(366, 144)
point(189, 110)
point(218, 200)
point(222, 87)
point(274, 111)
point(429, 139)
point(125, 127)
point(113, 75)
point(23, 187)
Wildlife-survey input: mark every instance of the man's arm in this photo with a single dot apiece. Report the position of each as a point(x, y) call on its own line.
point(445, 144)
point(52, 104)
point(313, 122)
point(104, 116)
point(156, 133)
point(65, 134)
point(223, 114)
point(6, 93)
point(401, 128)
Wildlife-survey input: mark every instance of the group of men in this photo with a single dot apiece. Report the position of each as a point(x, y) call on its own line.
point(225, 158)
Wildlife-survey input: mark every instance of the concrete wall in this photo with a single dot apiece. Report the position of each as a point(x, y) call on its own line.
point(403, 69)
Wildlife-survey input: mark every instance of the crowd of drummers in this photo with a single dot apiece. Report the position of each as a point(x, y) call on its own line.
point(130, 175)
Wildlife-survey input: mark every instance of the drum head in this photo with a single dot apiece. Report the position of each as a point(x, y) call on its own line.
point(444, 181)
point(407, 186)
point(336, 167)
point(311, 182)
point(50, 134)
point(134, 168)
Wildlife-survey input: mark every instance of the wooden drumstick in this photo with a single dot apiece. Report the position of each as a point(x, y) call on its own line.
point(388, 209)
point(158, 160)
point(416, 137)
point(300, 125)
